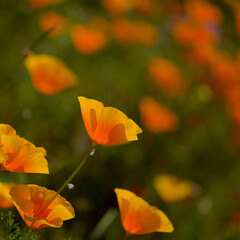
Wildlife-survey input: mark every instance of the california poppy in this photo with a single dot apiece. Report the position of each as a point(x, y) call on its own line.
point(5, 199)
point(49, 75)
point(138, 217)
point(191, 34)
point(203, 12)
point(167, 76)
point(19, 155)
point(107, 125)
point(40, 207)
point(118, 6)
point(148, 7)
point(130, 32)
point(172, 189)
point(157, 117)
point(88, 39)
point(50, 20)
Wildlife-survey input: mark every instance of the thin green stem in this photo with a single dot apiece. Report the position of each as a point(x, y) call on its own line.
point(92, 148)
point(28, 234)
point(25, 53)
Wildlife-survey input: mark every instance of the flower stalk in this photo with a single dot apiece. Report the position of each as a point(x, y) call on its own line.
point(89, 153)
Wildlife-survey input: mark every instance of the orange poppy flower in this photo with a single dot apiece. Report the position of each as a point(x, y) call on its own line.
point(148, 7)
point(5, 199)
point(192, 34)
point(172, 189)
point(50, 20)
point(130, 32)
point(49, 75)
point(138, 217)
point(203, 12)
point(40, 207)
point(107, 125)
point(118, 6)
point(43, 3)
point(19, 155)
point(157, 117)
point(167, 76)
point(88, 39)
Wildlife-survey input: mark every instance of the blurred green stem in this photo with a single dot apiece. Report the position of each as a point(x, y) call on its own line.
point(89, 153)
point(25, 53)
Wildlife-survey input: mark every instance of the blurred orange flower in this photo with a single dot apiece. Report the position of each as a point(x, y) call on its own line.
point(157, 117)
point(130, 32)
point(172, 189)
point(202, 55)
point(40, 207)
point(192, 34)
point(19, 155)
point(147, 7)
point(167, 76)
point(203, 12)
point(49, 75)
point(118, 6)
point(43, 3)
point(88, 39)
point(138, 217)
point(5, 199)
point(107, 125)
point(50, 20)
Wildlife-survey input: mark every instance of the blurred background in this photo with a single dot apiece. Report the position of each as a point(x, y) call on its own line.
point(173, 67)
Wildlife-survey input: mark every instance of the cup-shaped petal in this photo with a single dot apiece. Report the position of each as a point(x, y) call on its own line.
point(107, 125)
point(172, 189)
point(5, 199)
point(138, 217)
point(49, 75)
point(40, 207)
point(19, 155)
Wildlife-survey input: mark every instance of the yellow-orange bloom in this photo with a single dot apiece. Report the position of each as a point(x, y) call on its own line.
point(118, 6)
point(172, 189)
point(49, 75)
point(130, 32)
point(203, 12)
point(88, 39)
point(40, 207)
point(138, 217)
point(107, 125)
point(147, 7)
point(43, 3)
point(157, 117)
point(19, 155)
point(167, 76)
point(5, 199)
point(50, 20)
point(192, 34)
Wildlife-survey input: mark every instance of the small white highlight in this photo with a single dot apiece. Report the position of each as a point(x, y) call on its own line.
point(92, 152)
point(70, 186)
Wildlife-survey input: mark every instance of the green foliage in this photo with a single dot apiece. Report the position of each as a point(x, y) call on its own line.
point(13, 230)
